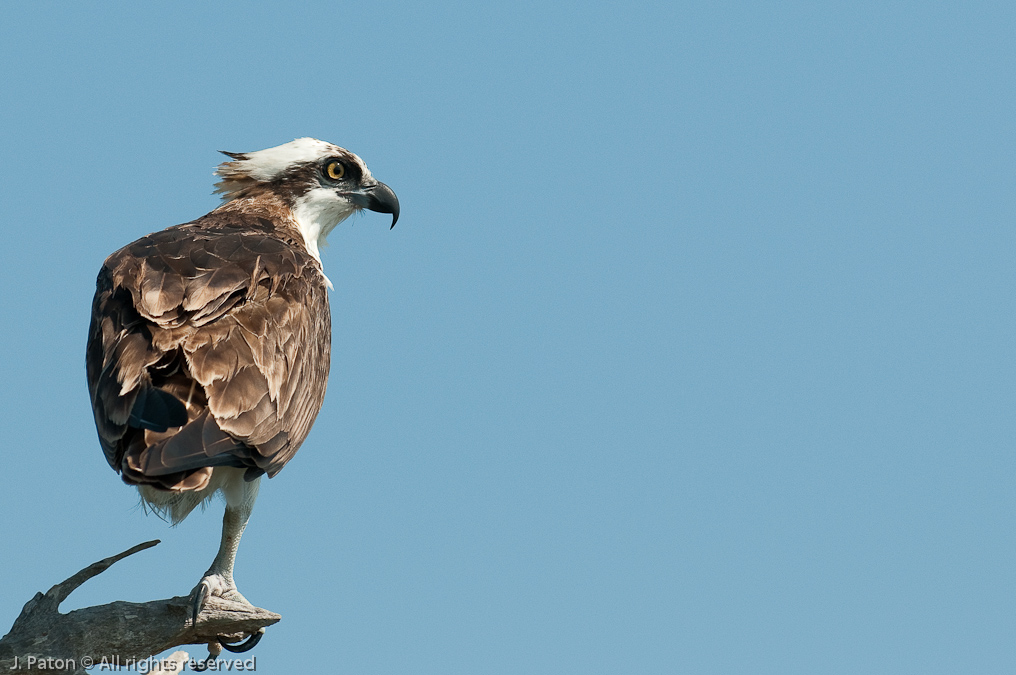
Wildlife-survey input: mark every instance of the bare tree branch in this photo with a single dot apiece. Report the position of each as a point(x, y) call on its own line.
point(42, 636)
point(59, 593)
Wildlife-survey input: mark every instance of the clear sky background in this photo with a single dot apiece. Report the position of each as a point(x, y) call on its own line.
point(691, 351)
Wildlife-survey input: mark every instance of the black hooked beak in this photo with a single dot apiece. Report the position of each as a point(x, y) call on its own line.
point(378, 198)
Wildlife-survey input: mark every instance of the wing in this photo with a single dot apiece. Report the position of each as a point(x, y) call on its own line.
point(208, 347)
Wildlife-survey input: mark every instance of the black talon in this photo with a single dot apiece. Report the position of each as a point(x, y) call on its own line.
point(214, 649)
point(200, 595)
point(246, 646)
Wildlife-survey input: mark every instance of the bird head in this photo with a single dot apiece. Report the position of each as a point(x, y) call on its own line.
point(321, 183)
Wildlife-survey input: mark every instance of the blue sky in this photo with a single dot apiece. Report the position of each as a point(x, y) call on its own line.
point(690, 353)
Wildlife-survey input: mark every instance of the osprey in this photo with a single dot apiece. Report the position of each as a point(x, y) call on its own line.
point(209, 344)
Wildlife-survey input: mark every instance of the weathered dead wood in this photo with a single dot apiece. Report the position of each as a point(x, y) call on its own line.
point(128, 630)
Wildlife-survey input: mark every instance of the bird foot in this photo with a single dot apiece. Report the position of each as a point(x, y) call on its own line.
point(246, 645)
point(220, 586)
point(214, 585)
point(215, 648)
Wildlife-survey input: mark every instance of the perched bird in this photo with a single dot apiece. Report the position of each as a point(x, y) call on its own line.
point(209, 344)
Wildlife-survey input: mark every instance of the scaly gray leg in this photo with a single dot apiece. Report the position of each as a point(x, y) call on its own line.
point(218, 580)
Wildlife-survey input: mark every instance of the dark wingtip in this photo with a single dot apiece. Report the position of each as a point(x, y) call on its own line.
point(157, 410)
point(234, 155)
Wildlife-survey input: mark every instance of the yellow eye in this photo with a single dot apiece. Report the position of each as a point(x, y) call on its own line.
point(335, 170)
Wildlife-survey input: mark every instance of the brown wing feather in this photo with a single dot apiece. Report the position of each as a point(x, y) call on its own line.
point(230, 318)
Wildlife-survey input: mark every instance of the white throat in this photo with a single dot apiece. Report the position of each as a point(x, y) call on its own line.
point(316, 214)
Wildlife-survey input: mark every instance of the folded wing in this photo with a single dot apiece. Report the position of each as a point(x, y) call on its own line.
point(208, 347)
